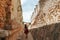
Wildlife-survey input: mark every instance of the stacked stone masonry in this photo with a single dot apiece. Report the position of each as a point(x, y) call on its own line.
point(49, 13)
point(46, 25)
point(47, 32)
point(11, 25)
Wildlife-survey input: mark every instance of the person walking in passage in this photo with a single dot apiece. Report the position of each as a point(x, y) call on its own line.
point(26, 31)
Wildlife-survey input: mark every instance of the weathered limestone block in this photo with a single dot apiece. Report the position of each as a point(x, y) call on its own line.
point(3, 33)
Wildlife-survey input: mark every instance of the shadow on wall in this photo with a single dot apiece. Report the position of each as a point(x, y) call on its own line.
point(48, 32)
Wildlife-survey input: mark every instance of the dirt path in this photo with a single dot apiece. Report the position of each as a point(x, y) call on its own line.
point(29, 37)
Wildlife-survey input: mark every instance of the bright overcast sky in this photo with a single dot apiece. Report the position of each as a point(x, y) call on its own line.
point(27, 8)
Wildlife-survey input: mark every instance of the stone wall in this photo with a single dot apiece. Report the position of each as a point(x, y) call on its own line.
point(10, 14)
point(48, 32)
point(46, 25)
point(49, 13)
point(2, 12)
point(11, 25)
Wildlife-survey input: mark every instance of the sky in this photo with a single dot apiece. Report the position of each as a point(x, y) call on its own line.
point(28, 8)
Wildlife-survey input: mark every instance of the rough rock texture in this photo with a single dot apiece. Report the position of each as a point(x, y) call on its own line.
point(46, 25)
point(49, 13)
point(10, 19)
point(48, 32)
point(10, 14)
point(2, 12)
point(5, 13)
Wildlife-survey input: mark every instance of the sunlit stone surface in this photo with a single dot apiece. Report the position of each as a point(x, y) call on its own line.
point(49, 13)
point(45, 24)
point(11, 25)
